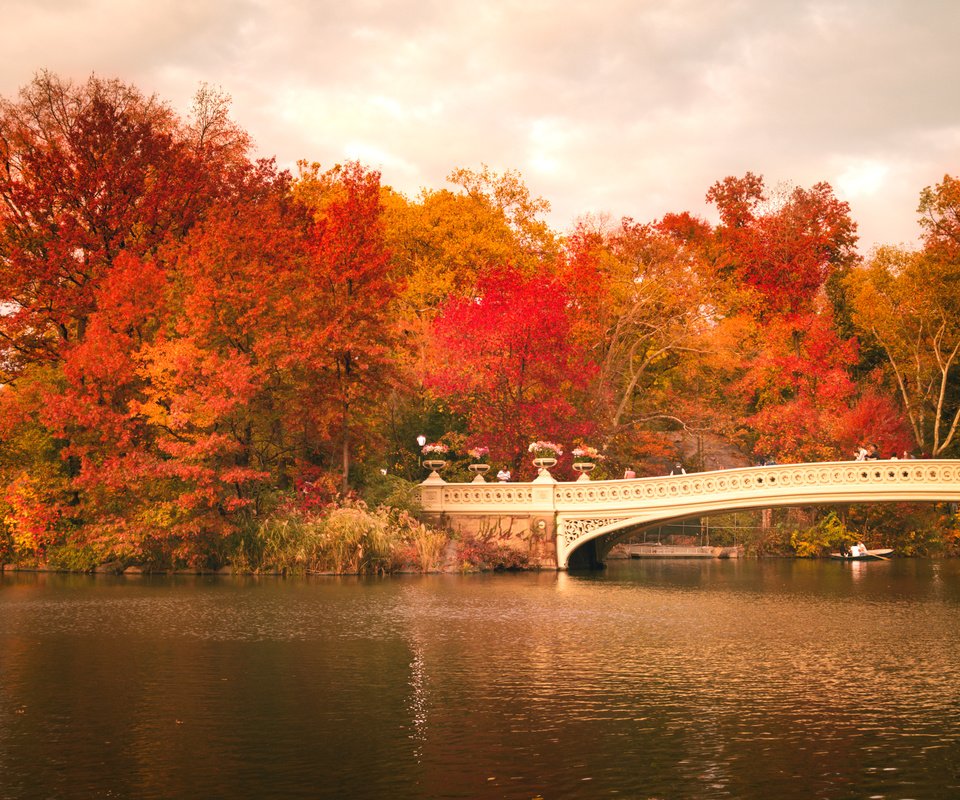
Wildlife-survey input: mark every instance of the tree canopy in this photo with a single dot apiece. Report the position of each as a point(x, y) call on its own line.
point(190, 336)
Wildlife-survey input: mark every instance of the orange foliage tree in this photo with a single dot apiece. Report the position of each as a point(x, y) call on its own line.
point(345, 335)
point(791, 368)
point(784, 246)
point(98, 184)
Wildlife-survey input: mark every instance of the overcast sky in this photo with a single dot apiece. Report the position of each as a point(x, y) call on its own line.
point(603, 106)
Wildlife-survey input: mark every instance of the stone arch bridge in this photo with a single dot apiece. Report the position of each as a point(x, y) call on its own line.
point(584, 519)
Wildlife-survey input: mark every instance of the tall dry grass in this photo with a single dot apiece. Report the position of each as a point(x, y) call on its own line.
point(344, 539)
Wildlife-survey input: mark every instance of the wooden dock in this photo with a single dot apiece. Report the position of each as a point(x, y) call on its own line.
point(652, 550)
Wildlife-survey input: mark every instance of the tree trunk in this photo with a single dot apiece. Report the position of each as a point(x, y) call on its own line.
point(345, 487)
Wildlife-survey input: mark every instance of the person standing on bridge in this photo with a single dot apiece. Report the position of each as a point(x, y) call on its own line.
point(629, 473)
point(678, 469)
point(503, 475)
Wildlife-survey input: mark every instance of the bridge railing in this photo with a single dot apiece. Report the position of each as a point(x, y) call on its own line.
point(806, 481)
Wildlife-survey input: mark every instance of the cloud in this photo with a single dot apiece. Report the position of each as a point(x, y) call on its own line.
point(629, 108)
point(861, 177)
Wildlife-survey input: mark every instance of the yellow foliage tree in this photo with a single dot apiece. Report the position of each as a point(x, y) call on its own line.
point(908, 302)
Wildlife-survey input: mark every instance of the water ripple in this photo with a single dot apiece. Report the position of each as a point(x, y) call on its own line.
point(708, 680)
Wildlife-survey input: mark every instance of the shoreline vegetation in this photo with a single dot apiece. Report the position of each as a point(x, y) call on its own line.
point(319, 535)
point(310, 535)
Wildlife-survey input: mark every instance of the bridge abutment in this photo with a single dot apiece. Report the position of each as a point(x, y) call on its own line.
point(519, 516)
point(531, 535)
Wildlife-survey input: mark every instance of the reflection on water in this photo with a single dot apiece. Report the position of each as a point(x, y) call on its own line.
point(666, 679)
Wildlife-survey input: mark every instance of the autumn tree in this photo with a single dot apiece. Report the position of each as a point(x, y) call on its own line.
point(96, 180)
point(908, 303)
point(784, 246)
point(86, 173)
point(663, 311)
point(345, 331)
point(796, 387)
point(939, 211)
point(642, 304)
point(442, 242)
point(773, 256)
point(509, 196)
point(220, 390)
point(504, 359)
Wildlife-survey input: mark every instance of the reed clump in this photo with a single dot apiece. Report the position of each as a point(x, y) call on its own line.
point(343, 538)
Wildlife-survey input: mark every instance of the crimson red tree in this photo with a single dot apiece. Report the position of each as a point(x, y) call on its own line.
point(785, 248)
point(505, 360)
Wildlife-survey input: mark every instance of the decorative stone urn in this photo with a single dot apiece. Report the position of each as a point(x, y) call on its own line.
point(436, 465)
point(583, 467)
point(479, 470)
point(543, 470)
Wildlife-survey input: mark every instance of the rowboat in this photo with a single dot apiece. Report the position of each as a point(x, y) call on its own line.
point(860, 553)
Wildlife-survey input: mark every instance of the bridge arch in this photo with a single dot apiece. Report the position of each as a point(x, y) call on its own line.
point(664, 500)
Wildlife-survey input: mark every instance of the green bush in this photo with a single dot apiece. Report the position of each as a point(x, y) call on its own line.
point(829, 533)
point(74, 557)
point(394, 492)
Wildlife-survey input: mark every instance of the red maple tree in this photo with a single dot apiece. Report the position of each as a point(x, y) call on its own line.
point(504, 359)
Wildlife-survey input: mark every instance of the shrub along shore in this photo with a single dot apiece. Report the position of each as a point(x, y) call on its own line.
point(308, 535)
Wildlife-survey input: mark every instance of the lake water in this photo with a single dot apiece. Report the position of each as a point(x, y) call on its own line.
point(681, 679)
